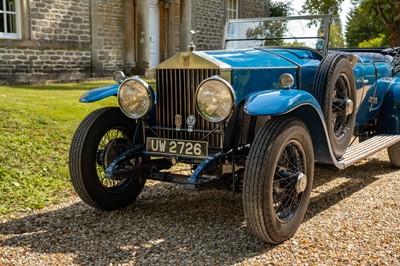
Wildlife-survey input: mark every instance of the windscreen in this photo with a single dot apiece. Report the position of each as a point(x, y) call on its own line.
point(293, 32)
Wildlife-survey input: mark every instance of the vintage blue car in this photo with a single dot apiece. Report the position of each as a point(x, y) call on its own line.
point(255, 117)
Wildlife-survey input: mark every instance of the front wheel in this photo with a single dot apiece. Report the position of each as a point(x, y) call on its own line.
point(278, 179)
point(100, 138)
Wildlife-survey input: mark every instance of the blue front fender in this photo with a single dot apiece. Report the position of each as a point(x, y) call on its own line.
point(99, 93)
point(273, 102)
point(302, 105)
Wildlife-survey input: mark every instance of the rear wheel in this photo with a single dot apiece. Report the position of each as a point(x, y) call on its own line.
point(278, 179)
point(334, 88)
point(101, 137)
point(394, 155)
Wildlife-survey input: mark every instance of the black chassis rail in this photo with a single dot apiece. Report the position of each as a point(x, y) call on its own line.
point(151, 169)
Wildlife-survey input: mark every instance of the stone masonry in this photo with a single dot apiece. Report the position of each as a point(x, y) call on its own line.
point(32, 65)
point(58, 20)
point(210, 20)
point(67, 40)
point(108, 35)
point(254, 9)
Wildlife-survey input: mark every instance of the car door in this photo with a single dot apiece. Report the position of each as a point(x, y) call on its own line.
point(365, 76)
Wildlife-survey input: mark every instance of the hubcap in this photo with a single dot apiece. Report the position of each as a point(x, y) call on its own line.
point(113, 149)
point(349, 107)
point(301, 184)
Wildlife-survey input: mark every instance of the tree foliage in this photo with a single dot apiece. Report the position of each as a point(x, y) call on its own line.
point(384, 12)
point(322, 7)
point(362, 26)
point(375, 42)
point(336, 38)
point(280, 9)
point(388, 14)
point(269, 31)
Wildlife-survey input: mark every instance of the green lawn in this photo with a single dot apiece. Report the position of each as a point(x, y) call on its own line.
point(36, 127)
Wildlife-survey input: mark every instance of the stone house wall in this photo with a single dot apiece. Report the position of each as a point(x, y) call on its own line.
point(35, 64)
point(77, 39)
point(253, 9)
point(65, 40)
point(211, 18)
point(210, 21)
point(108, 35)
point(60, 20)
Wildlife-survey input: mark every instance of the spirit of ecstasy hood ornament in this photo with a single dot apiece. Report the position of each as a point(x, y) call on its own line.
point(191, 46)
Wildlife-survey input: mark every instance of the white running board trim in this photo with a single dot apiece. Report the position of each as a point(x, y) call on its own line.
point(366, 148)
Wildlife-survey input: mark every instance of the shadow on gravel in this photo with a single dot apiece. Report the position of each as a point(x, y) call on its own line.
point(356, 178)
point(167, 225)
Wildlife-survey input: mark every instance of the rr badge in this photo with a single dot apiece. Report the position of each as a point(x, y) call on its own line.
point(190, 121)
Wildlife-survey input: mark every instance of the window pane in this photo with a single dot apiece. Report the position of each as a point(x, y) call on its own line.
point(232, 9)
point(1, 23)
point(11, 24)
point(1, 6)
point(10, 5)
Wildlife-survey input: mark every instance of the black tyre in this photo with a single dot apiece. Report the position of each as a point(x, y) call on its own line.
point(278, 179)
point(394, 155)
point(335, 89)
point(100, 138)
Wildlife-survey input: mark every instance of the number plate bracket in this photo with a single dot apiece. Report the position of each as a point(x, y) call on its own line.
point(177, 147)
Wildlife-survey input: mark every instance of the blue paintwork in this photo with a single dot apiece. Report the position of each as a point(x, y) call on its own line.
point(255, 74)
point(264, 58)
point(272, 102)
point(389, 117)
point(375, 75)
point(302, 105)
point(247, 81)
point(259, 69)
point(99, 93)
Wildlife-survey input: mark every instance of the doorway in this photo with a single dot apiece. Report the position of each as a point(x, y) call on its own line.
point(154, 33)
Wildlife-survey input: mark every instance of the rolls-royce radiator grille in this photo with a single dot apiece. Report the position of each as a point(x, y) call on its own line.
point(175, 97)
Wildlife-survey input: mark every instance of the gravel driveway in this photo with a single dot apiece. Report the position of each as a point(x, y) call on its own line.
point(353, 219)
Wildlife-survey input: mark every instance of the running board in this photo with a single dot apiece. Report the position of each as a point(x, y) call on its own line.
point(366, 148)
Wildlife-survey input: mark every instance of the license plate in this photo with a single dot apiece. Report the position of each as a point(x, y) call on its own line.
point(186, 148)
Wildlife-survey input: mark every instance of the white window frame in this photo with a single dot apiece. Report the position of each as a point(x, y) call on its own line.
point(232, 10)
point(17, 13)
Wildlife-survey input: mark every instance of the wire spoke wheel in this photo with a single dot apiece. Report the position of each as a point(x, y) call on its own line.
point(278, 179)
point(100, 138)
point(286, 197)
point(340, 106)
point(335, 89)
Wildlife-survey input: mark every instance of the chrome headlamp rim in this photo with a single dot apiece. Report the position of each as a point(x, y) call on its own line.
point(119, 76)
point(149, 94)
point(230, 90)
